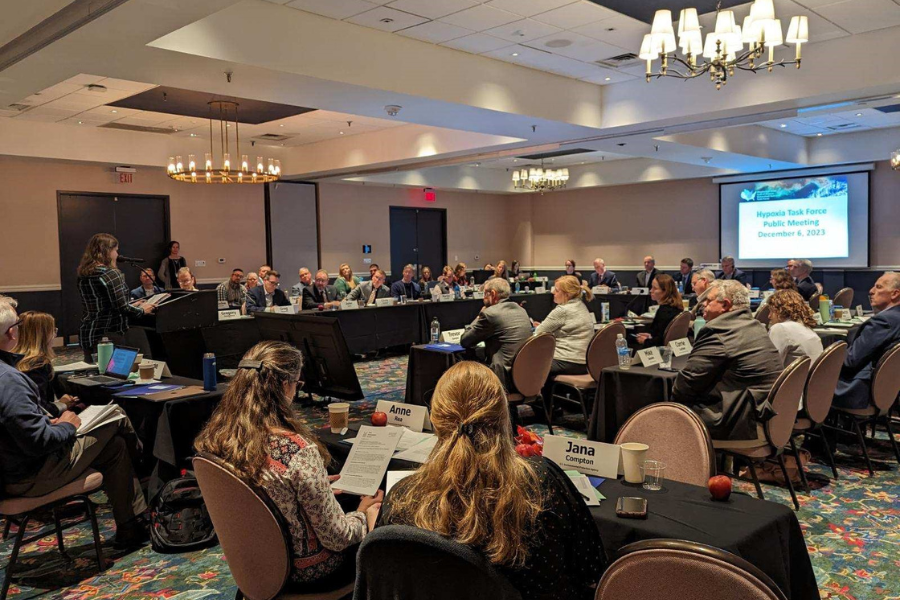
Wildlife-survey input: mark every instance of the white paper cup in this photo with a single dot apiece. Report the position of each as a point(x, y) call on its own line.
point(338, 416)
point(633, 455)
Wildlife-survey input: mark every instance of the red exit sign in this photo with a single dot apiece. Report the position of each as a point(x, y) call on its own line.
point(126, 177)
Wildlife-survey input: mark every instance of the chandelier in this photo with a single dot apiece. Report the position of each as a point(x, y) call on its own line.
point(223, 172)
point(895, 160)
point(539, 179)
point(723, 51)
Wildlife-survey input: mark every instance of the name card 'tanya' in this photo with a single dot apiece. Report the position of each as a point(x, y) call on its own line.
point(590, 458)
point(405, 415)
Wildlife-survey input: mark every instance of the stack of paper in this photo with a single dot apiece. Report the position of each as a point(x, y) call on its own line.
point(95, 416)
point(75, 366)
point(419, 452)
point(589, 493)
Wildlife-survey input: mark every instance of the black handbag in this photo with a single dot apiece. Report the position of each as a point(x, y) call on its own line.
point(179, 521)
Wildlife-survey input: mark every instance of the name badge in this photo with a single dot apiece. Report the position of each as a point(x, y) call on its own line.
point(754, 293)
point(229, 315)
point(590, 458)
point(452, 336)
point(349, 305)
point(405, 415)
point(478, 295)
point(286, 310)
point(448, 297)
point(859, 310)
point(384, 302)
point(649, 356)
point(640, 291)
point(540, 289)
point(681, 347)
point(223, 304)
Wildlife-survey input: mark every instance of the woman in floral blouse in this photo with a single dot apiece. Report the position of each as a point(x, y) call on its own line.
point(256, 433)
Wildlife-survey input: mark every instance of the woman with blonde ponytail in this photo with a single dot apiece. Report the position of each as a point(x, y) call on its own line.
point(571, 324)
point(524, 515)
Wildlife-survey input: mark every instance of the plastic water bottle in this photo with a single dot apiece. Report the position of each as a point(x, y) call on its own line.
point(517, 287)
point(680, 287)
point(435, 293)
point(435, 330)
point(623, 352)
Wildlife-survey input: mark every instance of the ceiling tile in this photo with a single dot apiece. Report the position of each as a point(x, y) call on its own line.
point(581, 47)
point(621, 31)
point(567, 66)
point(81, 122)
point(77, 101)
point(114, 113)
point(57, 91)
point(522, 31)
point(481, 18)
point(477, 43)
point(126, 86)
point(386, 19)
point(607, 76)
point(432, 9)
point(528, 8)
point(41, 113)
point(83, 79)
point(575, 15)
point(435, 32)
point(815, 4)
point(860, 16)
point(336, 9)
point(818, 26)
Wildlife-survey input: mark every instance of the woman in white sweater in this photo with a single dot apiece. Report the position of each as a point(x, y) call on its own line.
point(571, 324)
point(790, 327)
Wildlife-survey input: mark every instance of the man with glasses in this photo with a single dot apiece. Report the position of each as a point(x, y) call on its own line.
point(267, 296)
point(320, 293)
point(232, 291)
point(370, 291)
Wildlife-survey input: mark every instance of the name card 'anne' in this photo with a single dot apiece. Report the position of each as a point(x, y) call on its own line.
point(399, 410)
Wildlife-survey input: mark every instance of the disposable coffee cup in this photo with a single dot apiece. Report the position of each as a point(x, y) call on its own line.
point(137, 361)
point(147, 370)
point(633, 455)
point(339, 416)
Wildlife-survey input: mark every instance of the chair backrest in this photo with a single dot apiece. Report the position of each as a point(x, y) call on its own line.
point(676, 436)
point(250, 530)
point(532, 364)
point(662, 569)
point(601, 352)
point(762, 315)
point(886, 380)
point(814, 301)
point(844, 297)
point(822, 381)
point(677, 328)
point(398, 561)
point(785, 400)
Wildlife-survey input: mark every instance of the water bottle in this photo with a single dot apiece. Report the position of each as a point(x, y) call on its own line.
point(622, 351)
point(680, 287)
point(104, 353)
point(517, 287)
point(456, 291)
point(209, 372)
point(824, 308)
point(435, 293)
point(435, 330)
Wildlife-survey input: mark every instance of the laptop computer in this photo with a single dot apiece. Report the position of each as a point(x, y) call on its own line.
point(117, 369)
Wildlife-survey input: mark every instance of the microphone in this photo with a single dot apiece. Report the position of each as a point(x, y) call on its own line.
point(130, 260)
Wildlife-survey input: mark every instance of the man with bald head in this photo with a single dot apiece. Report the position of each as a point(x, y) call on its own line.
point(602, 275)
point(875, 337)
point(306, 279)
point(646, 277)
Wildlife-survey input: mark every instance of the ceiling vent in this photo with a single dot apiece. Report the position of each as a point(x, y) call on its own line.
point(271, 137)
point(18, 107)
point(844, 126)
point(619, 61)
point(142, 129)
point(556, 153)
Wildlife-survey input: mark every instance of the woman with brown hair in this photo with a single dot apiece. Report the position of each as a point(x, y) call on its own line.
point(255, 432)
point(104, 295)
point(34, 352)
point(665, 293)
point(782, 280)
point(570, 269)
point(460, 273)
point(790, 327)
point(524, 515)
point(500, 270)
point(426, 279)
point(571, 324)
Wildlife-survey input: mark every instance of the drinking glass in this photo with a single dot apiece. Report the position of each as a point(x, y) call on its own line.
point(625, 361)
point(654, 474)
point(666, 354)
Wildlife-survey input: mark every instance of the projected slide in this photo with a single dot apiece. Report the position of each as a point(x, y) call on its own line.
point(807, 217)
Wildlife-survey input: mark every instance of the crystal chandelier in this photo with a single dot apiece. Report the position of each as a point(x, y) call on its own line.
point(222, 172)
point(538, 179)
point(723, 51)
point(895, 160)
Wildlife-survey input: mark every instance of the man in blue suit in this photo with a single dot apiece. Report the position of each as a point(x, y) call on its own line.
point(729, 271)
point(267, 296)
point(602, 276)
point(875, 337)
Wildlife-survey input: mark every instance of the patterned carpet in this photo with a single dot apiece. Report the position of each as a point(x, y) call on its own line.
point(852, 528)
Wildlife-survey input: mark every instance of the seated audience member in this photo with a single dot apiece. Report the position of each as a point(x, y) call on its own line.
point(256, 433)
point(446, 282)
point(700, 283)
point(571, 324)
point(459, 272)
point(502, 325)
point(490, 268)
point(33, 356)
point(685, 275)
point(602, 275)
point(232, 290)
point(523, 514)
point(729, 271)
point(570, 270)
point(406, 286)
point(252, 280)
point(186, 280)
point(346, 281)
point(370, 291)
point(665, 294)
point(320, 293)
point(40, 454)
point(262, 272)
point(427, 278)
point(148, 287)
point(780, 279)
point(500, 270)
point(731, 368)
point(513, 269)
point(800, 270)
point(790, 327)
point(305, 281)
point(372, 268)
point(875, 337)
point(267, 296)
point(646, 277)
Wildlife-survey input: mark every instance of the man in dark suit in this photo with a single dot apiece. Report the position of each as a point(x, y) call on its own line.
point(731, 368)
point(267, 296)
point(729, 271)
point(646, 277)
point(148, 287)
point(406, 286)
point(305, 281)
point(602, 276)
point(370, 291)
point(502, 325)
point(320, 293)
point(684, 276)
point(800, 270)
point(875, 337)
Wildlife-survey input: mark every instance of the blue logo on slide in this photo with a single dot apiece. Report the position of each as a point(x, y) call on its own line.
point(796, 189)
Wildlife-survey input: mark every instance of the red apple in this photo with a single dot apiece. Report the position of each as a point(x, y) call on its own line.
point(719, 487)
point(379, 419)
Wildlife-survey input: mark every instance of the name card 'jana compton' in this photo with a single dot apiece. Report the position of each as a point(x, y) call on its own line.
point(405, 415)
point(590, 458)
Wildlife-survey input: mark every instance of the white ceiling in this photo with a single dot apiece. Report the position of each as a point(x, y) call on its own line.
point(585, 158)
point(836, 122)
point(25, 15)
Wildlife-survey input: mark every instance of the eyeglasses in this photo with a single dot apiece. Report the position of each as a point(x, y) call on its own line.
point(14, 325)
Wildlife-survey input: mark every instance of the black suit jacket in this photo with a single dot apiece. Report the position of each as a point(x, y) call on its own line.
point(662, 318)
point(807, 288)
point(686, 280)
point(256, 299)
point(874, 337)
point(608, 278)
point(737, 275)
point(312, 297)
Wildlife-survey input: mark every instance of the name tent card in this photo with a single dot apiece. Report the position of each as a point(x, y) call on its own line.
point(754, 293)
point(448, 297)
point(405, 415)
point(349, 305)
point(649, 356)
point(286, 310)
point(160, 368)
point(229, 315)
point(681, 347)
point(384, 302)
point(859, 310)
point(478, 295)
point(540, 289)
point(590, 458)
point(452, 336)
point(640, 291)
point(223, 304)
point(846, 315)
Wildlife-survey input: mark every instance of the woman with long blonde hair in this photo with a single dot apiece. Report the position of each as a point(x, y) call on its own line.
point(37, 331)
point(346, 281)
point(571, 324)
point(255, 432)
point(524, 515)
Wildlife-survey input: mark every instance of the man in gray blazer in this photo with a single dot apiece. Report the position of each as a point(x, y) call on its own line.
point(646, 277)
point(732, 367)
point(370, 291)
point(502, 325)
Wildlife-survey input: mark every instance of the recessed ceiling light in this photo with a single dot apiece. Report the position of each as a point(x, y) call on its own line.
point(608, 79)
point(515, 160)
point(193, 135)
point(783, 125)
point(113, 111)
point(342, 133)
point(514, 54)
point(80, 122)
point(858, 114)
point(818, 135)
point(282, 125)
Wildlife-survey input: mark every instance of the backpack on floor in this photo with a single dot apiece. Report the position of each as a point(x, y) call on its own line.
point(179, 521)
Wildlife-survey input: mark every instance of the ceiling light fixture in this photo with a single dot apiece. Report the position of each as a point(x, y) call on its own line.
point(514, 54)
point(858, 114)
point(113, 111)
point(783, 125)
point(223, 172)
point(895, 160)
point(607, 79)
point(818, 135)
point(724, 48)
point(540, 179)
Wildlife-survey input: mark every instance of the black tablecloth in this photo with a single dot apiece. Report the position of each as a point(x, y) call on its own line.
point(425, 368)
point(619, 305)
point(830, 337)
point(766, 534)
point(621, 393)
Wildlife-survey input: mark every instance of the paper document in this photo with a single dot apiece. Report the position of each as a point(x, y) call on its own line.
point(98, 415)
point(155, 300)
point(368, 460)
point(75, 366)
point(589, 493)
point(411, 438)
point(418, 453)
point(393, 477)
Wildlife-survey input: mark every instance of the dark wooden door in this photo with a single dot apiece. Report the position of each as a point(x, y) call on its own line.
point(419, 238)
point(403, 240)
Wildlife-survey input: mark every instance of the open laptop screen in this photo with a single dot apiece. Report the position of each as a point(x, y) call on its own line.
point(121, 361)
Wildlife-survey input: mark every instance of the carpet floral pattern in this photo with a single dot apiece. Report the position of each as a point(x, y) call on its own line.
point(852, 528)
